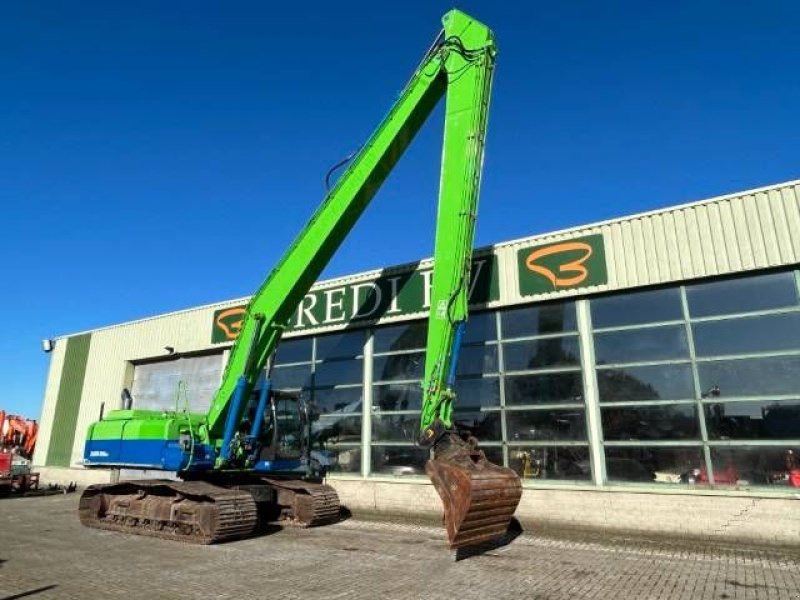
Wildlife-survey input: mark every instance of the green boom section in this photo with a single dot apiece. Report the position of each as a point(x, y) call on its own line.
point(68, 401)
point(146, 425)
point(461, 66)
point(466, 113)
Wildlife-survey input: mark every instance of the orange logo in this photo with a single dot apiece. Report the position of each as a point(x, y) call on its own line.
point(575, 266)
point(228, 322)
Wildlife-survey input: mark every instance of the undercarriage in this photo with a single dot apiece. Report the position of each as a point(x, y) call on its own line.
point(206, 512)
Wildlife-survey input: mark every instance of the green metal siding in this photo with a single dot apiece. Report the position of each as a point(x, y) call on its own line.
point(62, 435)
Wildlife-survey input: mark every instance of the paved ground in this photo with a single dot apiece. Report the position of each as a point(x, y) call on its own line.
point(45, 553)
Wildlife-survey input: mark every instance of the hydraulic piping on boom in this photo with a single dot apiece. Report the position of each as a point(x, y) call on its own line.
point(232, 460)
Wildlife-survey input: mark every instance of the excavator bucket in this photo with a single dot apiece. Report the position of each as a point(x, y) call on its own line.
point(479, 497)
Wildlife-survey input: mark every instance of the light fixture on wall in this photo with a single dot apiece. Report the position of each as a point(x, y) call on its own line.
point(48, 345)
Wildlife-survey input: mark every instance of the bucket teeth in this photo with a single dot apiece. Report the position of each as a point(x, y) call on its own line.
point(479, 497)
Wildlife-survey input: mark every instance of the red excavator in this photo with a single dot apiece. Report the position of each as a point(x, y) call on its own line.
point(17, 441)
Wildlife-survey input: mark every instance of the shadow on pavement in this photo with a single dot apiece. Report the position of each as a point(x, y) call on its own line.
point(29, 592)
point(513, 532)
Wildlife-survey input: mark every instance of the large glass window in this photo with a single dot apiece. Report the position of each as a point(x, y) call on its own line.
point(632, 331)
point(541, 353)
point(757, 465)
point(641, 345)
point(637, 308)
point(742, 294)
point(653, 464)
point(754, 376)
point(546, 425)
point(665, 422)
point(636, 384)
point(398, 461)
point(544, 388)
point(407, 336)
point(540, 319)
point(747, 335)
point(550, 462)
point(694, 384)
point(758, 420)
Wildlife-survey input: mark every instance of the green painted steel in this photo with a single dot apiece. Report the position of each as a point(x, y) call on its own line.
point(70, 388)
point(466, 114)
point(148, 425)
point(460, 66)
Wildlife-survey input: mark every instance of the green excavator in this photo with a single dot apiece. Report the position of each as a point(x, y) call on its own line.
point(232, 470)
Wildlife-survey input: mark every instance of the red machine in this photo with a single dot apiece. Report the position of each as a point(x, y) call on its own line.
point(18, 433)
point(17, 441)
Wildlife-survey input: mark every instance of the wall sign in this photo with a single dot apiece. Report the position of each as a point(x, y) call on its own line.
point(575, 263)
point(397, 294)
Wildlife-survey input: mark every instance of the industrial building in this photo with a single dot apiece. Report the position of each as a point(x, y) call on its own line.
point(641, 373)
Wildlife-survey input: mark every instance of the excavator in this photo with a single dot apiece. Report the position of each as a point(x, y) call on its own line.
point(249, 457)
point(18, 433)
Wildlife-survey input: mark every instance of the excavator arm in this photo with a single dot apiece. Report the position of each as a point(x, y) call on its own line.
point(458, 65)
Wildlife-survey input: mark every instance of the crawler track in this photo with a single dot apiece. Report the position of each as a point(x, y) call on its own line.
point(199, 512)
point(189, 511)
point(304, 503)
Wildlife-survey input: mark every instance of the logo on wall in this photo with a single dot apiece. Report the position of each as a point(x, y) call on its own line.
point(227, 324)
point(575, 263)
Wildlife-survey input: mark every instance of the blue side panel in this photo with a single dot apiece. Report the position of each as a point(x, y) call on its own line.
point(165, 455)
point(280, 465)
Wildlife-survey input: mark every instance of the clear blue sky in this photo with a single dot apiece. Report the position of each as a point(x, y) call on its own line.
point(159, 155)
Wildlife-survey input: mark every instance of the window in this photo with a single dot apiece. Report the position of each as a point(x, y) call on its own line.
point(748, 335)
point(408, 336)
point(758, 420)
point(541, 319)
point(340, 345)
point(550, 388)
point(636, 384)
point(743, 294)
point(754, 465)
point(541, 353)
point(399, 461)
point(550, 462)
point(397, 396)
point(752, 376)
point(637, 308)
point(345, 400)
point(291, 377)
point(666, 422)
point(294, 351)
point(399, 367)
point(693, 384)
point(546, 425)
point(641, 345)
point(338, 372)
point(652, 464)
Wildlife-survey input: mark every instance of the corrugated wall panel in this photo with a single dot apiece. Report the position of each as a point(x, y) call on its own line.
point(49, 403)
point(70, 390)
point(717, 238)
point(753, 230)
point(791, 204)
point(779, 218)
point(114, 348)
point(772, 249)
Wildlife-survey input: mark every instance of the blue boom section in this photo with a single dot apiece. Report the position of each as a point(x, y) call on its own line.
point(165, 455)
